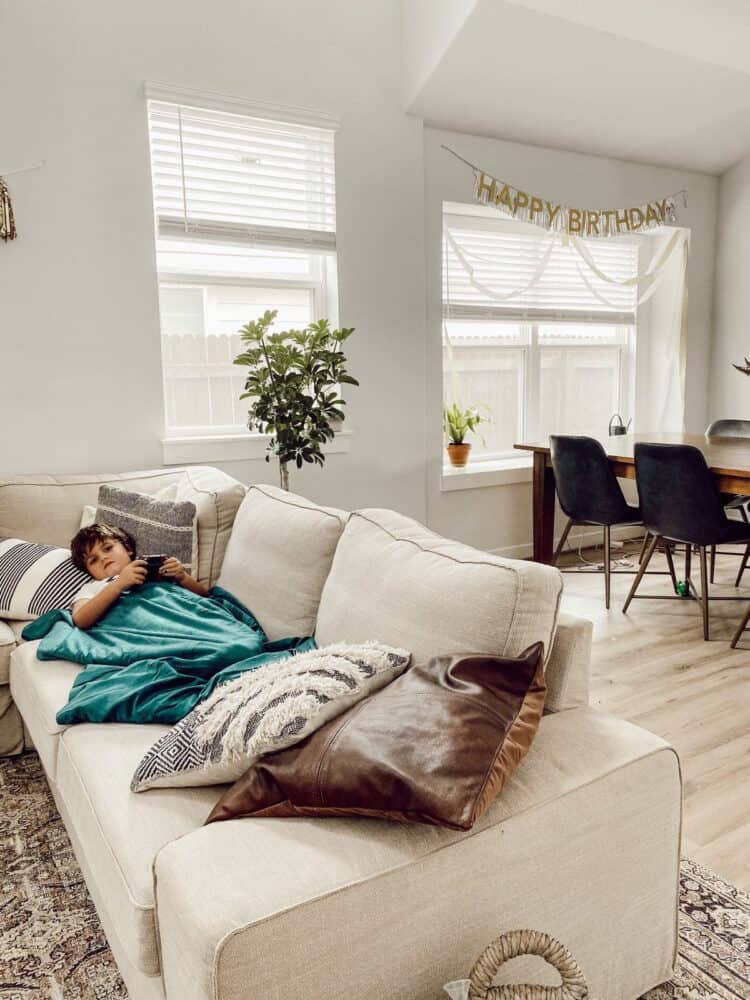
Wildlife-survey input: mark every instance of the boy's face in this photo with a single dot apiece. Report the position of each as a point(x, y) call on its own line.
point(106, 558)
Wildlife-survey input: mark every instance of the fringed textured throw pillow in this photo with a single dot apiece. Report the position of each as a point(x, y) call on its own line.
point(265, 710)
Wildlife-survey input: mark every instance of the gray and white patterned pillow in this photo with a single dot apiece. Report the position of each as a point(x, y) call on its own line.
point(266, 710)
point(158, 526)
point(35, 578)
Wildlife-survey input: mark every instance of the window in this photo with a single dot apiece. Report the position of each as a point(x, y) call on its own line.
point(245, 222)
point(532, 337)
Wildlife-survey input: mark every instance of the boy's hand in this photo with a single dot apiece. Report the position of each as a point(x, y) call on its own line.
point(173, 568)
point(133, 575)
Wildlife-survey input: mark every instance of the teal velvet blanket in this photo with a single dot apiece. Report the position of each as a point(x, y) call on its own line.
point(157, 652)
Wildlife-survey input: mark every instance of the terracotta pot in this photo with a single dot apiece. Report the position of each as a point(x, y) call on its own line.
point(458, 454)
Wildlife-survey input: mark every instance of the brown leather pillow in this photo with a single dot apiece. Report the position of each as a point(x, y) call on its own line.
point(435, 746)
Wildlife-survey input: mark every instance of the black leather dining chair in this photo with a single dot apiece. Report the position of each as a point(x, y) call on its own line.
point(732, 501)
point(680, 502)
point(588, 492)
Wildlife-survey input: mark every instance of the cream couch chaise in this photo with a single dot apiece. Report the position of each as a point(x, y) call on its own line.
point(582, 843)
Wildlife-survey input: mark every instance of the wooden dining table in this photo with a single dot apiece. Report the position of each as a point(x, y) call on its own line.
point(728, 459)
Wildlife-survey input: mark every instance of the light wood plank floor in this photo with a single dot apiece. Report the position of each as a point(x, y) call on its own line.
point(653, 668)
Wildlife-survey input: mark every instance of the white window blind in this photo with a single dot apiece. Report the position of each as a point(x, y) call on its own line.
point(229, 177)
point(484, 263)
point(244, 205)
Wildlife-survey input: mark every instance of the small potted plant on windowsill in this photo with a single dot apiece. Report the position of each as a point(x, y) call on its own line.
point(457, 423)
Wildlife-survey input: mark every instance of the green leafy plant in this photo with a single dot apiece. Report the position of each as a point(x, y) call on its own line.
point(457, 423)
point(293, 382)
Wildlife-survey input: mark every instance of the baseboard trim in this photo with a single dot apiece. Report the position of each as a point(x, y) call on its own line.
point(584, 537)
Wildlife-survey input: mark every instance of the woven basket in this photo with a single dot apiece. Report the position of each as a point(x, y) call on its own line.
point(512, 945)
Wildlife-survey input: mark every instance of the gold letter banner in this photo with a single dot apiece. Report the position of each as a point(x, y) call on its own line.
point(586, 222)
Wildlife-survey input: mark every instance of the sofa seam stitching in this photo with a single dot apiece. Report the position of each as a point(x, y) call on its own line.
point(299, 506)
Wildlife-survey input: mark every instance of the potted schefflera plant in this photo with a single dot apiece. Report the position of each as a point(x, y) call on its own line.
point(457, 423)
point(293, 384)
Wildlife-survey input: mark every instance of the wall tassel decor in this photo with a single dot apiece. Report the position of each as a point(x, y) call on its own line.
point(7, 222)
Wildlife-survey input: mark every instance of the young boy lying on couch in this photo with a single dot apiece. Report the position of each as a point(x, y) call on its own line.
point(108, 555)
point(152, 649)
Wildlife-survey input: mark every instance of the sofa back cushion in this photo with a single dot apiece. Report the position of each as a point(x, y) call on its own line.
point(278, 557)
point(217, 498)
point(48, 508)
point(393, 578)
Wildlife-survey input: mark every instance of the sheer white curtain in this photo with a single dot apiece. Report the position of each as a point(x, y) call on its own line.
point(495, 270)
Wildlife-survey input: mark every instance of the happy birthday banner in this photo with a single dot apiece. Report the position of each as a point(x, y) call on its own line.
point(602, 222)
point(571, 221)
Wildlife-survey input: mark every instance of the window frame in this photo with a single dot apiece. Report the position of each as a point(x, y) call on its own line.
point(214, 442)
point(530, 319)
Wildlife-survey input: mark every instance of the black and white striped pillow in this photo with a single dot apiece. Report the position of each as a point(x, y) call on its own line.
point(35, 578)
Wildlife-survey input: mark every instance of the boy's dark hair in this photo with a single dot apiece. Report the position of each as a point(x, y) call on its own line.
point(86, 538)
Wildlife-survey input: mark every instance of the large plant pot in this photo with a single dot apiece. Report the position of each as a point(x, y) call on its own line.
point(458, 454)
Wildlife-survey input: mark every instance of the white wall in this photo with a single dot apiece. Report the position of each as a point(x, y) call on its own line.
point(428, 27)
point(79, 341)
point(730, 389)
point(79, 335)
point(499, 517)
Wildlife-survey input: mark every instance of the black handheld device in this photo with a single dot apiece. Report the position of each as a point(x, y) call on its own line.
point(153, 564)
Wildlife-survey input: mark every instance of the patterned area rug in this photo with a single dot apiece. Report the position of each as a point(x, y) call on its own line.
point(52, 946)
point(51, 942)
point(714, 959)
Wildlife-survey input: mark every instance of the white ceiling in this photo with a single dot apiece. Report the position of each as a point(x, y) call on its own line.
point(655, 81)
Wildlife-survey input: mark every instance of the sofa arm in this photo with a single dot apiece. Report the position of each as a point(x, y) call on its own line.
point(589, 826)
point(11, 727)
point(568, 670)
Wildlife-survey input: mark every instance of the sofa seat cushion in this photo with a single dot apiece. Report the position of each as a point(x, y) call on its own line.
point(546, 851)
point(40, 689)
point(395, 579)
point(7, 645)
point(121, 832)
point(278, 558)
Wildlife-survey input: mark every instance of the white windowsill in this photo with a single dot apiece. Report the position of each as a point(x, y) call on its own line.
point(233, 448)
point(501, 472)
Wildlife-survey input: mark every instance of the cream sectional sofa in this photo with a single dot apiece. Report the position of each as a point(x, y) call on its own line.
point(582, 843)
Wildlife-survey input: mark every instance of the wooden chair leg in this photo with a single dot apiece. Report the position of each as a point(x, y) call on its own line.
point(741, 628)
point(713, 562)
point(688, 561)
point(643, 548)
point(743, 564)
point(641, 570)
point(704, 589)
point(670, 563)
point(563, 540)
point(607, 566)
